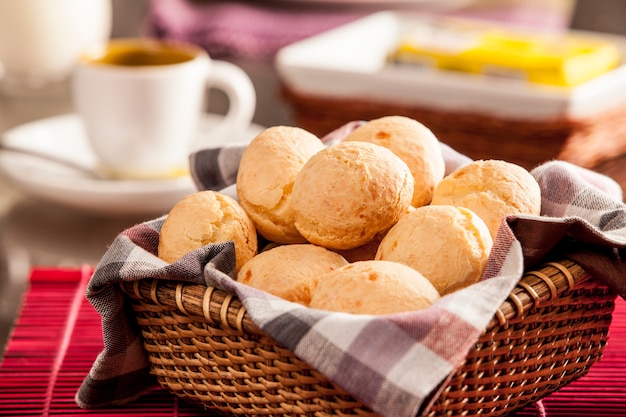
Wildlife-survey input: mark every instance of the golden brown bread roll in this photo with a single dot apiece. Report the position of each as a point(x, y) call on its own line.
point(268, 168)
point(492, 189)
point(290, 271)
point(349, 192)
point(207, 217)
point(373, 287)
point(415, 144)
point(448, 245)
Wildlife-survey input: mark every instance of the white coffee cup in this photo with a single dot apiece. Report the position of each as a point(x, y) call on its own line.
point(40, 41)
point(141, 101)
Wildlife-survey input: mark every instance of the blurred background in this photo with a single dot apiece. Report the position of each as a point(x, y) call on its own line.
point(163, 17)
point(247, 33)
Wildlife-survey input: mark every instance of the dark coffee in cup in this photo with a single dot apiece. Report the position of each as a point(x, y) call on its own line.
point(139, 54)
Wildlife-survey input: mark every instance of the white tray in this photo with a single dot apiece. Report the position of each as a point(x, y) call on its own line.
point(350, 62)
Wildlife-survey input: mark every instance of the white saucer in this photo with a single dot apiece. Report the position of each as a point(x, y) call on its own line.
point(63, 137)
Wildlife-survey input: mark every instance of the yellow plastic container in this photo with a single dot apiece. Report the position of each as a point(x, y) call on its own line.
point(477, 48)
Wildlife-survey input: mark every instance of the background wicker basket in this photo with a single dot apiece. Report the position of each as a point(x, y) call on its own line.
point(204, 348)
point(584, 141)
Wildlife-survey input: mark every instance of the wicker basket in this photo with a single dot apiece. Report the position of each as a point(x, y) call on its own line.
point(204, 348)
point(584, 141)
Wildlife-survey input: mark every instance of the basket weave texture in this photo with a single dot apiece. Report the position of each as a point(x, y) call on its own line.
point(583, 141)
point(204, 348)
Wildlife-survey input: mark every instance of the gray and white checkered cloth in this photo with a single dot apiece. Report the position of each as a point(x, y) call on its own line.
point(390, 363)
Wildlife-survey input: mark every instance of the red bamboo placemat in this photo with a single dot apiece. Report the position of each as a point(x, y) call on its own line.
point(55, 340)
point(57, 337)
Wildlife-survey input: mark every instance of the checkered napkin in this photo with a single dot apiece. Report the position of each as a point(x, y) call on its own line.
point(390, 363)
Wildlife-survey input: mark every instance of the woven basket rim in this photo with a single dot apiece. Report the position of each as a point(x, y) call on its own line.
point(217, 306)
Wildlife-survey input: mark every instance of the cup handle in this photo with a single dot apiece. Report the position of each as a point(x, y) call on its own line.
point(238, 87)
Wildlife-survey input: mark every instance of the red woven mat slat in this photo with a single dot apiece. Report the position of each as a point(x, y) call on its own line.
point(602, 392)
point(57, 337)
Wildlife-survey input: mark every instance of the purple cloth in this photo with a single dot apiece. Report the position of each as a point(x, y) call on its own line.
point(258, 29)
point(248, 29)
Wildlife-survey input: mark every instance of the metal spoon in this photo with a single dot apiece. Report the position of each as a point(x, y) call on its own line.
point(86, 172)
